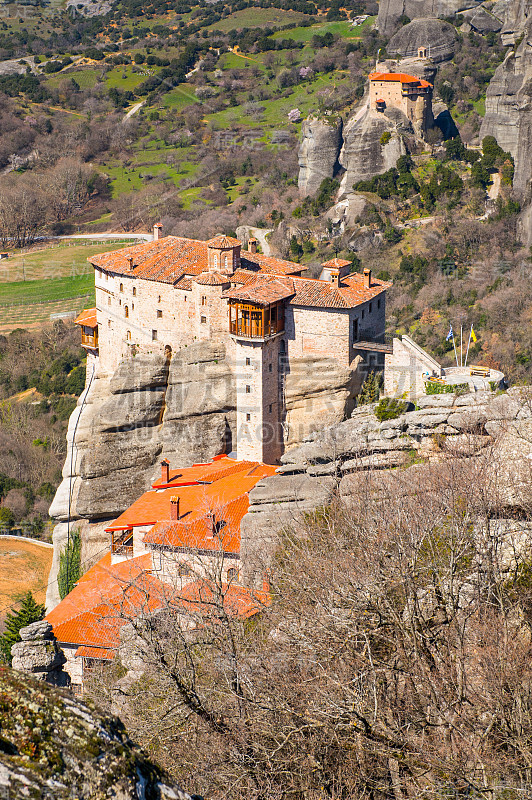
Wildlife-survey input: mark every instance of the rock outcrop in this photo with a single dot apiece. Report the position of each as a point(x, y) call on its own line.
point(38, 654)
point(390, 11)
point(362, 154)
point(318, 152)
point(332, 459)
point(439, 38)
point(509, 109)
point(151, 408)
point(55, 746)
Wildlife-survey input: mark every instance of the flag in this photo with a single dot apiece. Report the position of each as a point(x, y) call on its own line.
point(473, 336)
point(450, 335)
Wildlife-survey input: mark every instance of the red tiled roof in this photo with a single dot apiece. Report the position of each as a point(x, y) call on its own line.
point(169, 259)
point(221, 242)
point(212, 279)
point(110, 596)
point(87, 318)
point(95, 652)
point(310, 291)
point(219, 467)
point(397, 77)
point(265, 289)
point(336, 263)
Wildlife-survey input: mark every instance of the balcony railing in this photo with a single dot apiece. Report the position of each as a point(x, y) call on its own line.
point(255, 322)
point(90, 340)
point(255, 330)
point(122, 543)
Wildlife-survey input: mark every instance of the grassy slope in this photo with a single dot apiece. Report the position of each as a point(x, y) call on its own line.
point(24, 566)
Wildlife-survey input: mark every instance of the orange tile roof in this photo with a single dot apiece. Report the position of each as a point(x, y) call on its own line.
point(221, 241)
point(170, 259)
point(265, 289)
point(336, 263)
point(95, 652)
point(397, 77)
point(311, 291)
point(110, 596)
point(219, 467)
point(212, 279)
point(87, 318)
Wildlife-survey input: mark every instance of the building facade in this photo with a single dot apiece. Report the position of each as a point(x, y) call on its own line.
point(166, 294)
point(410, 95)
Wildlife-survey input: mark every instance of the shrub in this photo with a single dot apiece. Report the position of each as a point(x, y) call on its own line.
point(390, 408)
point(371, 389)
point(385, 138)
point(443, 388)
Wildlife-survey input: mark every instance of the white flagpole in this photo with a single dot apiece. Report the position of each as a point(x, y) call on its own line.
point(461, 351)
point(455, 353)
point(469, 342)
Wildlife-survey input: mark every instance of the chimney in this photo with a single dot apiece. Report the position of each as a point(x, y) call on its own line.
point(335, 277)
point(157, 230)
point(252, 245)
point(165, 471)
point(367, 278)
point(130, 262)
point(174, 508)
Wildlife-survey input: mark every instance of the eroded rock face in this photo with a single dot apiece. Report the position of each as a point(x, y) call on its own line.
point(151, 408)
point(509, 110)
point(318, 151)
point(390, 11)
point(55, 746)
point(362, 154)
point(497, 428)
point(438, 37)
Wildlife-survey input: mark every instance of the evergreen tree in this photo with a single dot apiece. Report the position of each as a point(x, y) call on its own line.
point(371, 389)
point(29, 612)
point(69, 565)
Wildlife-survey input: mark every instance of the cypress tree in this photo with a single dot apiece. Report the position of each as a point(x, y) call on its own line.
point(29, 612)
point(69, 562)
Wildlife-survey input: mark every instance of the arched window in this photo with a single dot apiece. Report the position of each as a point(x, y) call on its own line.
point(134, 291)
point(128, 336)
point(232, 574)
point(121, 287)
point(126, 311)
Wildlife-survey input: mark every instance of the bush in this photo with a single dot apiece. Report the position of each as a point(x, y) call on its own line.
point(385, 138)
point(371, 389)
point(443, 388)
point(29, 612)
point(390, 408)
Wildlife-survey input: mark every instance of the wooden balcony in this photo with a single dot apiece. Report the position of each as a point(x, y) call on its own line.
point(248, 321)
point(122, 543)
point(89, 338)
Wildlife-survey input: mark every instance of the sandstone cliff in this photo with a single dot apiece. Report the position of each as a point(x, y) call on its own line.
point(390, 11)
point(494, 429)
point(439, 37)
point(151, 408)
point(318, 152)
point(55, 746)
point(509, 109)
point(362, 154)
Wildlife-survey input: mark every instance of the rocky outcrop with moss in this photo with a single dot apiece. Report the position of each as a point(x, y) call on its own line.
point(53, 745)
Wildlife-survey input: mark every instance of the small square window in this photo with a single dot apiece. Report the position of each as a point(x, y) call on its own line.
point(270, 408)
point(248, 389)
point(159, 299)
point(154, 336)
point(203, 300)
point(203, 320)
point(270, 367)
point(159, 313)
point(248, 362)
point(248, 417)
point(132, 306)
point(134, 291)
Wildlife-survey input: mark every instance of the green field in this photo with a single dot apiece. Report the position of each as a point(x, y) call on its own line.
point(59, 261)
point(46, 291)
point(85, 78)
point(257, 18)
point(344, 29)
